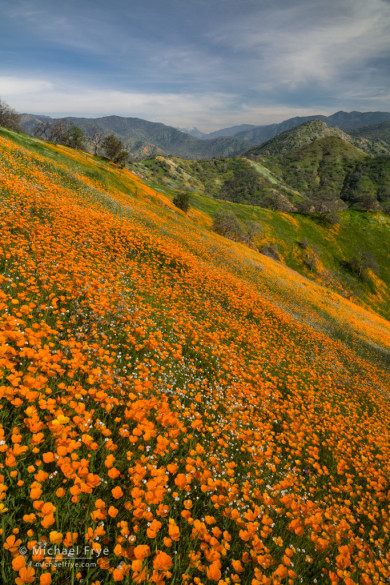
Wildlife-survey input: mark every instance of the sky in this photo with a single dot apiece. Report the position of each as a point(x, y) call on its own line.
point(204, 63)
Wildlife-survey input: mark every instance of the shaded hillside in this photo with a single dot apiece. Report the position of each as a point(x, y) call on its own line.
point(334, 168)
point(374, 139)
point(369, 182)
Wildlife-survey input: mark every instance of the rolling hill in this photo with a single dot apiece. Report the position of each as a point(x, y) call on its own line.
point(188, 409)
point(296, 138)
point(334, 168)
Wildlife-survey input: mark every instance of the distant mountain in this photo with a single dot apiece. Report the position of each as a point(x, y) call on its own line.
point(29, 122)
point(193, 132)
point(351, 120)
point(297, 137)
point(232, 131)
point(344, 120)
point(144, 138)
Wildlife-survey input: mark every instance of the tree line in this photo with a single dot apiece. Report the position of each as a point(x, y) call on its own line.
point(61, 132)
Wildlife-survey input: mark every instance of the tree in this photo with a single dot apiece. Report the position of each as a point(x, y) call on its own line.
point(57, 132)
point(42, 129)
point(9, 118)
point(182, 201)
point(115, 150)
point(227, 224)
point(325, 206)
point(96, 138)
point(75, 138)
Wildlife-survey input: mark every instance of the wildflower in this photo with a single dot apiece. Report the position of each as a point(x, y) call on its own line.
point(162, 562)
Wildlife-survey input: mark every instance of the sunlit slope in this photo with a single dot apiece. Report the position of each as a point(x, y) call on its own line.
point(203, 413)
point(314, 248)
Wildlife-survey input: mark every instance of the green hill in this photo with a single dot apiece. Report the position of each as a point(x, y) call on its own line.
point(320, 166)
point(296, 138)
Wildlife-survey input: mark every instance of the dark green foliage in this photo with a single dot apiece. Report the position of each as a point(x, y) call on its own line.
point(115, 150)
point(245, 186)
point(182, 201)
point(75, 138)
point(321, 167)
point(369, 180)
point(9, 118)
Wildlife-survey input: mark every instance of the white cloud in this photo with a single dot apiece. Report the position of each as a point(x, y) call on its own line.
point(302, 43)
point(207, 111)
point(16, 86)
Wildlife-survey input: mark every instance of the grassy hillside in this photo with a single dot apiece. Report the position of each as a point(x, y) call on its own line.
point(296, 138)
point(306, 244)
point(238, 179)
point(320, 166)
point(187, 409)
point(332, 167)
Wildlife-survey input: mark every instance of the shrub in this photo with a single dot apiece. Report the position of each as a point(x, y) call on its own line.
point(227, 224)
point(271, 250)
point(182, 201)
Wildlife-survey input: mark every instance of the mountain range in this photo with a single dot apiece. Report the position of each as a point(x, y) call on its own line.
point(144, 138)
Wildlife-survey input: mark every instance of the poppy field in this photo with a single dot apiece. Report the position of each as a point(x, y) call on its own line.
point(176, 408)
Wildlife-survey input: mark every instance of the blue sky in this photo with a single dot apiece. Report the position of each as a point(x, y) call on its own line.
point(203, 63)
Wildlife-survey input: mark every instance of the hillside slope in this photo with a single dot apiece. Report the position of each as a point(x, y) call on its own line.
point(376, 138)
point(321, 165)
point(189, 410)
point(296, 138)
